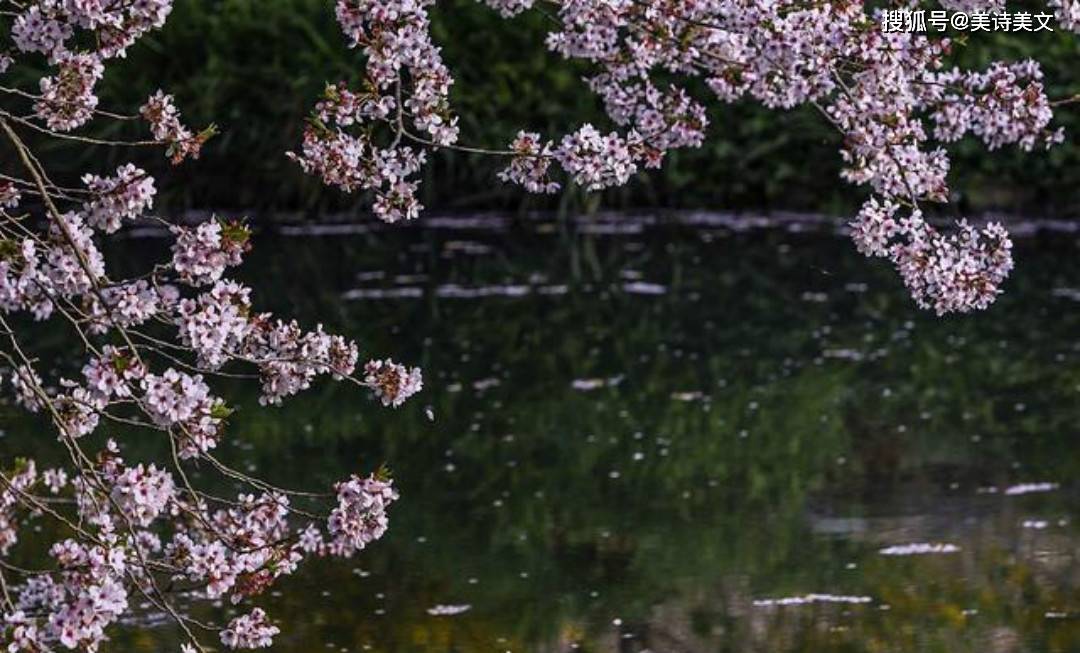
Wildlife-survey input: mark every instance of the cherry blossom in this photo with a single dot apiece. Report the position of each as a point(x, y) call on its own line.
point(290, 358)
point(156, 344)
point(19, 482)
point(122, 197)
point(113, 374)
point(360, 516)
point(55, 479)
point(216, 324)
point(25, 381)
point(9, 195)
point(164, 117)
point(956, 272)
point(889, 95)
point(132, 527)
point(1067, 13)
point(251, 630)
point(201, 255)
point(174, 396)
point(530, 164)
point(143, 493)
point(392, 383)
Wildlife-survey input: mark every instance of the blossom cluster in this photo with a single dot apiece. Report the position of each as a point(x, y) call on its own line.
point(353, 162)
point(51, 26)
point(124, 196)
point(15, 485)
point(530, 164)
point(888, 94)
point(215, 324)
point(67, 98)
point(1067, 13)
point(55, 28)
point(290, 358)
point(955, 272)
point(407, 86)
point(201, 255)
point(237, 551)
point(82, 599)
point(9, 195)
point(130, 514)
point(1004, 105)
point(79, 37)
point(360, 516)
point(392, 383)
point(64, 261)
point(252, 630)
point(154, 343)
point(142, 493)
point(161, 113)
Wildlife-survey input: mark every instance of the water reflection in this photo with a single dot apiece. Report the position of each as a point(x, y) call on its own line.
point(724, 435)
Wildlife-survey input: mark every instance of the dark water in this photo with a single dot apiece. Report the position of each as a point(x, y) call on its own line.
point(678, 439)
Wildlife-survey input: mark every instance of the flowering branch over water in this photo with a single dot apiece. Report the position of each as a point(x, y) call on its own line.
point(890, 95)
point(152, 346)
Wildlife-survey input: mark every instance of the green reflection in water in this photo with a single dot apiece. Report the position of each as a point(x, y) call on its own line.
point(756, 414)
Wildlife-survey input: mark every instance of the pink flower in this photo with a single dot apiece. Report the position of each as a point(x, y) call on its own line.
point(215, 325)
point(252, 630)
point(392, 383)
point(9, 195)
point(143, 493)
point(123, 197)
point(360, 516)
point(67, 99)
point(200, 255)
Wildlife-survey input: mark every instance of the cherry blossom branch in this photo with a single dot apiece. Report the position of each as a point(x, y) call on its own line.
point(131, 528)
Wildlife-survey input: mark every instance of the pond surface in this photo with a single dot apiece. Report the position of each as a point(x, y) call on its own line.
point(715, 435)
